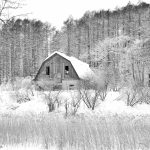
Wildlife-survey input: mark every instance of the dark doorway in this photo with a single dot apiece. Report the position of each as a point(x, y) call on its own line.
point(47, 70)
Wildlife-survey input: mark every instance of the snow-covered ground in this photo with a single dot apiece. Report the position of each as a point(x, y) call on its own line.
point(114, 104)
point(31, 121)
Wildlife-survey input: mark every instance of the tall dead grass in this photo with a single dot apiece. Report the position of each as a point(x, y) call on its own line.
point(88, 133)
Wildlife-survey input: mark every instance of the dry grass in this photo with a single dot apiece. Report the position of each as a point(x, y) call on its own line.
point(87, 133)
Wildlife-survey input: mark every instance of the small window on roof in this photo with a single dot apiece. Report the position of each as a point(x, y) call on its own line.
point(47, 70)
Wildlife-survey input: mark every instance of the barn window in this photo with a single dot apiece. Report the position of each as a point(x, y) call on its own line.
point(66, 70)
point(47, 70)
point(149, 80)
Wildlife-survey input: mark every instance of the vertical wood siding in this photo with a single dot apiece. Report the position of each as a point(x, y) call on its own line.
point(57, 64)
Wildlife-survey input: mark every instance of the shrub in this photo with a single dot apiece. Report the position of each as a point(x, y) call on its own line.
point(17, 84)
point(92, 92)
point(137, 94)
point(52, 98)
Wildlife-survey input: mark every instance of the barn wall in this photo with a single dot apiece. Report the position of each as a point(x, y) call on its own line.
point(56, 77)
point(60, 62)
point(70, 84)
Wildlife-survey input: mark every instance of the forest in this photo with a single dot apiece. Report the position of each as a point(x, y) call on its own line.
point(23, 46)
point(98, 38)
point(79, 36)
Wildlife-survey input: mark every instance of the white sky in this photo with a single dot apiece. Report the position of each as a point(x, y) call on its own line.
point(57, 11)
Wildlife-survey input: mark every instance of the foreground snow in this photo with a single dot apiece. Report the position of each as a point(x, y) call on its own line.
point(29, 125)
point(114, 104)
point(111, 125)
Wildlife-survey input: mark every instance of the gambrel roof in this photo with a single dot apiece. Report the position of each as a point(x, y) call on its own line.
point(82, 69)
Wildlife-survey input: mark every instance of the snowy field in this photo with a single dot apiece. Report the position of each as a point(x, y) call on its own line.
point(29, 125)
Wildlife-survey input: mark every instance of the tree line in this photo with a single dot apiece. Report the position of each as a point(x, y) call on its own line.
point(24, 44)
point(96, 37)
point(82, 35)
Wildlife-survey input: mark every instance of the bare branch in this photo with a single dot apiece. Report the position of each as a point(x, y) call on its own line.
point(8, 5)
point(3, 7)
point(2, 21)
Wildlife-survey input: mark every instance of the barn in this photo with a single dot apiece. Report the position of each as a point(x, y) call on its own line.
point(59, 71)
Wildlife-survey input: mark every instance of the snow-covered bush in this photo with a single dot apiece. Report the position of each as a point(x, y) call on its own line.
point(17, 84)
point(43, 85)
point(20, 90)
point(137, 95)
point(75, 102)
point(92, 93)
point(72, 102)
point(52, 99)
point(22, 97)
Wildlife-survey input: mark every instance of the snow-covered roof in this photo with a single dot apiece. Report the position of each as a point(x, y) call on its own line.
point(82, 69)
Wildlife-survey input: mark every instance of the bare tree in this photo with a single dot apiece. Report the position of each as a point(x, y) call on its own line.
point(75, 101)
point(137, 94)
point(53, 100)
point(6, 6)
point(92, 93)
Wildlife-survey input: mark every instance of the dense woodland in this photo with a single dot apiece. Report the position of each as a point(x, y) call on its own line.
point(24, 45)
point(115, 39)
point(79, 36)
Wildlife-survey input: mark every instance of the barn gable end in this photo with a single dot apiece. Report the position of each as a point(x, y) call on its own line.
point(59, 62)
point(61, 70)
